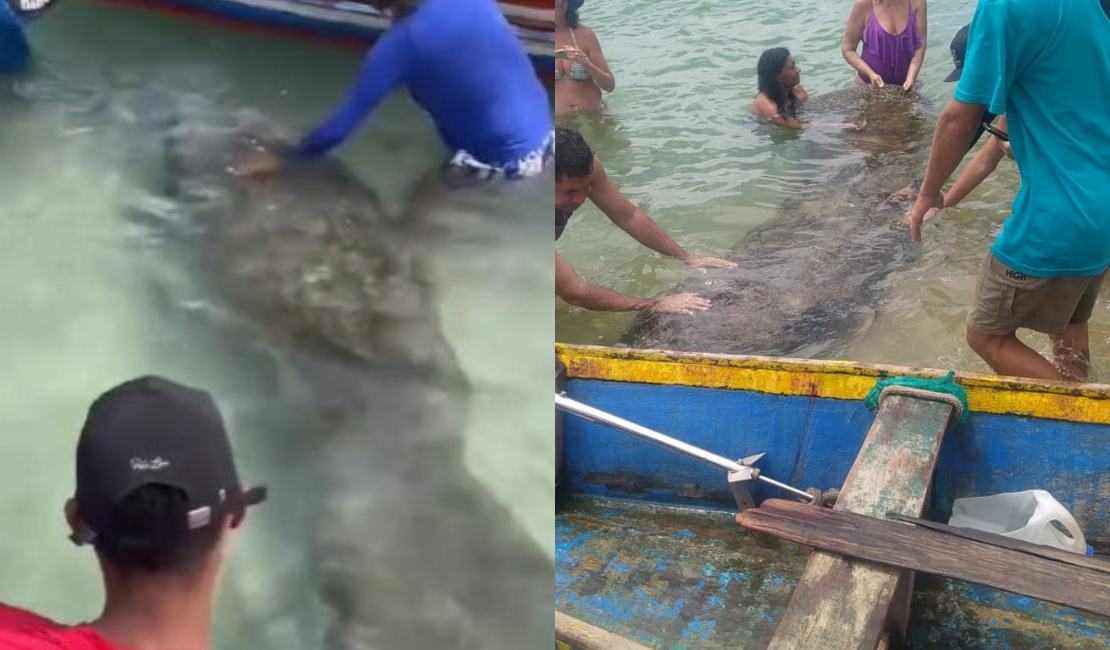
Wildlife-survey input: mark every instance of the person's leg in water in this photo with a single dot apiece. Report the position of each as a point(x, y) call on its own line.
point(1007, 355)
point(1006, 300)
point(1071, 351)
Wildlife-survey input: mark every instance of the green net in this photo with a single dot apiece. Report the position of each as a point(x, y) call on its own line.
point(944, 384)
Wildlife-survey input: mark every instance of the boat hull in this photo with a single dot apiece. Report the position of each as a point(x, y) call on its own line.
point(645, 542)
point(344, 23)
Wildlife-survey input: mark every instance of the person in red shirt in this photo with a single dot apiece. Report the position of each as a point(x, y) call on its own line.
point(157, 497)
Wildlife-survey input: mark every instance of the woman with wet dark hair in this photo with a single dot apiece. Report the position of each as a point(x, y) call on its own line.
point(581, 71)
point(780, 88)
point(780, 91)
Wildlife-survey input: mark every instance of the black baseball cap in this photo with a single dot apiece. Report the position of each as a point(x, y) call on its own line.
point(154, 430)
point(959, 51)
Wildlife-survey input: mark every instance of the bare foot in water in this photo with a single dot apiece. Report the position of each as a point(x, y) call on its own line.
point(906, 193)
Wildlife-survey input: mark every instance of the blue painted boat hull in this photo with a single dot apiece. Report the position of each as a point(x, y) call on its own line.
point(343, 23)
point(812, 442)
point(646, 546)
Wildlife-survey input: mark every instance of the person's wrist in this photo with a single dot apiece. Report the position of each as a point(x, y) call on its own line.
point(924, 192)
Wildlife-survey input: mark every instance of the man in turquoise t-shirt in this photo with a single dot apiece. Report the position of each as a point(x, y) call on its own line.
point(1045, 64)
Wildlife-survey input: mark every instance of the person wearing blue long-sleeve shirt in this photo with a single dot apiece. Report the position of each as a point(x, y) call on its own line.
point(462, 63)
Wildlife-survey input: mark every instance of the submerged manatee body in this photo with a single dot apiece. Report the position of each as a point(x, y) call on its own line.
point(808, 280)
point(412, 552)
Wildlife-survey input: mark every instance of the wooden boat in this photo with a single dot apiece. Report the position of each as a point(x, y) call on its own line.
point(351, 22)
point(648, 554)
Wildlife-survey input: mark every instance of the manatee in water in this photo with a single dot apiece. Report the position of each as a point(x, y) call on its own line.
point(412, 552)
point(809, 280)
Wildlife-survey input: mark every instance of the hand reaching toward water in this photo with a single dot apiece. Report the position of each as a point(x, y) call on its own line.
point(928, 215)
point(877, 80)
point(924, 208)
point(680, 303)
point(700, 264)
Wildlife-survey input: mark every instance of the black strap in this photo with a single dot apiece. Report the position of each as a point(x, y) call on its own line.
point(988, 118)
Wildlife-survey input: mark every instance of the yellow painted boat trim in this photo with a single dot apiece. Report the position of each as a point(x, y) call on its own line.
point(832, 379)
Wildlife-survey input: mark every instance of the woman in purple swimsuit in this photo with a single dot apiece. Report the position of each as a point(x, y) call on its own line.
point(894, 36)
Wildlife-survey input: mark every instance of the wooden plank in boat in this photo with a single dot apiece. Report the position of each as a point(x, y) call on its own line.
point(583, 636)
point(849, 605)
point(1038, 550)
point(921, 549)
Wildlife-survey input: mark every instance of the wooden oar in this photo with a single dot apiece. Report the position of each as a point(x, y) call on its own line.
point(923, 549)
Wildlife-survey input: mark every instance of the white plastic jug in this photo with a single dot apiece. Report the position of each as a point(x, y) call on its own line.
point(1027, 515)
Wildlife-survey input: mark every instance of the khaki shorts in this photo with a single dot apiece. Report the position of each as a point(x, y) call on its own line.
point(1006, 300)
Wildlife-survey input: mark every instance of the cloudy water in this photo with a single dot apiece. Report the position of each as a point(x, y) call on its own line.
point(91, 299)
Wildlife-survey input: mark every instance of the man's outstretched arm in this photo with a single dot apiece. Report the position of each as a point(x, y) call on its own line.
point(383, 71)
point(576, 291)
point(954, 130)
point(641, 227)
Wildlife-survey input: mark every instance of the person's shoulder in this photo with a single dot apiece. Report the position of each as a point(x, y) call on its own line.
point(1007, 18)
point(14, 617)
point(762, 105)
point(1004, 7)
point(21, 629)
point(599, 168)
point(859, 13)
point(584, 30)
